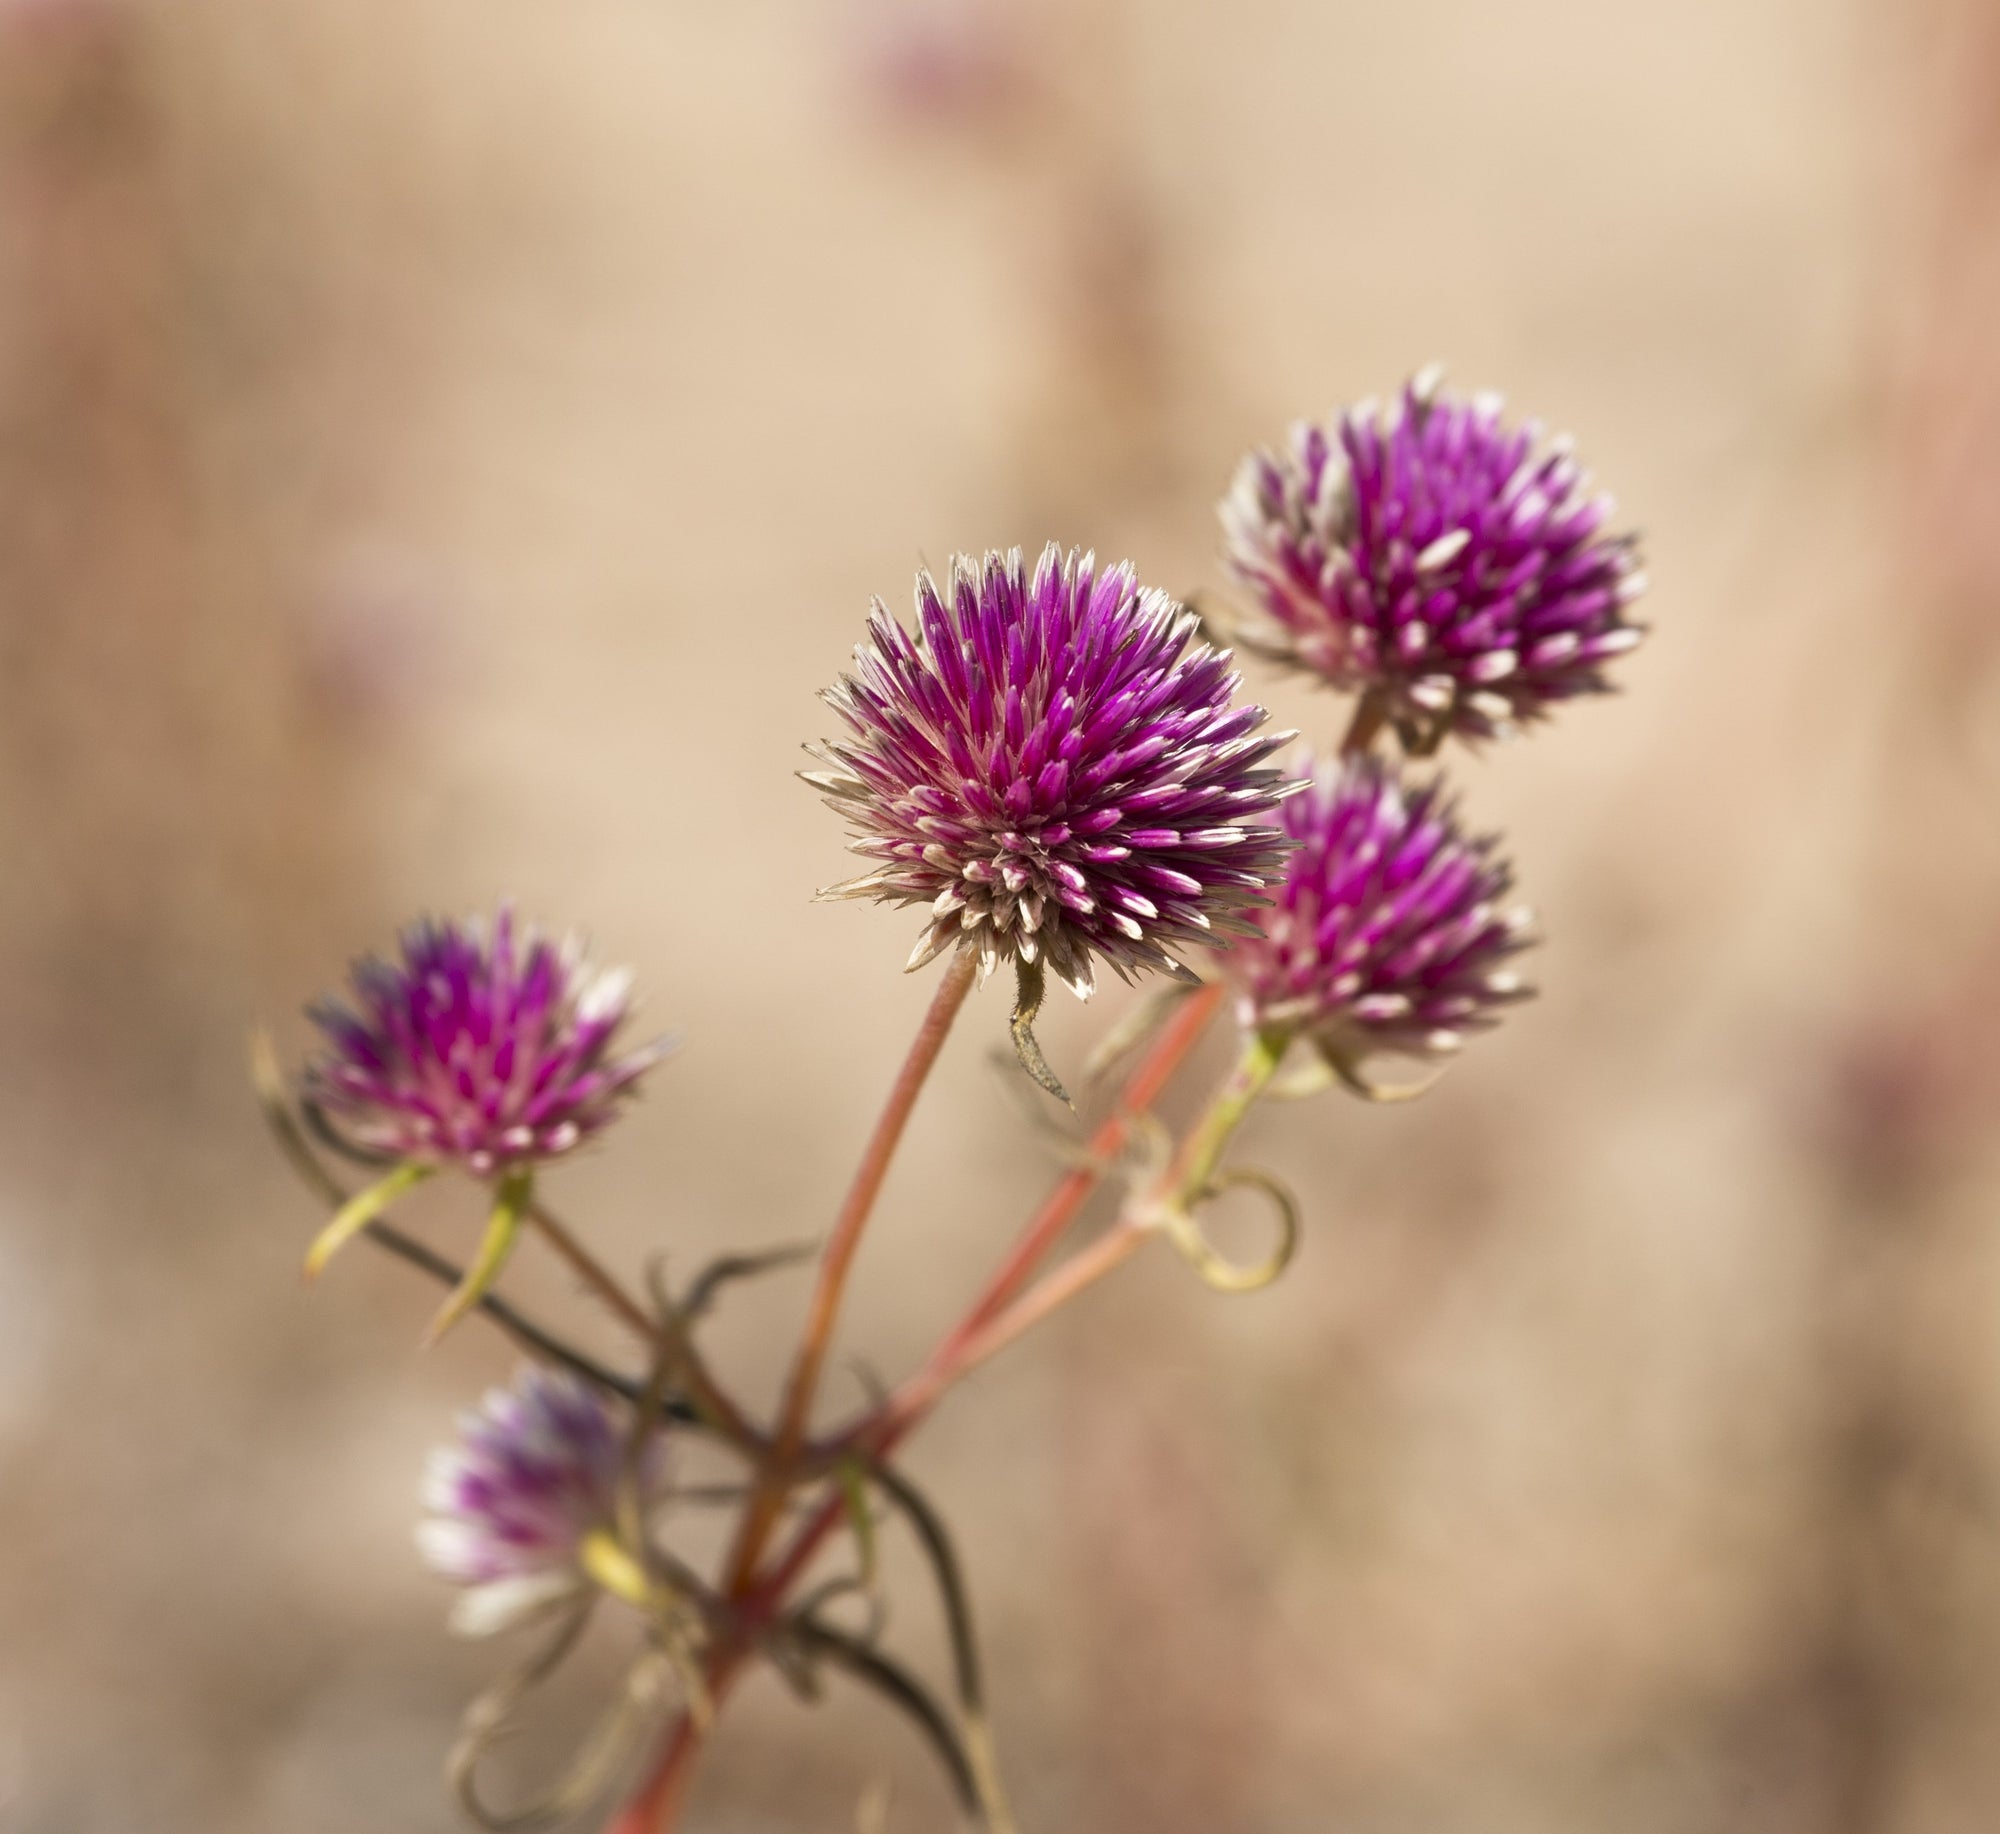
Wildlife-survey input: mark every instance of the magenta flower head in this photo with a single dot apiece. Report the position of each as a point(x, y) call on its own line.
point(1453, 568)
point(522, 1510)
point(1054, 767)
point(492, 1052)
point(1392, 930)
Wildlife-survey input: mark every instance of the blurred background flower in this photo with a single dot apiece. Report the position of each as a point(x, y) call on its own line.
point(534, 1473)
point(1620, 1452)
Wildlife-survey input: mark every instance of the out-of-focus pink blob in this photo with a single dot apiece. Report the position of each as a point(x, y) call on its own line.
point(942, 60)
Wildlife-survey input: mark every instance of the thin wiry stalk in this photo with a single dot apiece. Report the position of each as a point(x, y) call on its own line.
point(532, 1337)
point(591, 1271)
point(902, 1689)
point(838, 1260)
point(704, 1405)
point(726, 1268)
point(488, 1719)
point(554, 1231)
point(956, 1603)
point(661, 1796)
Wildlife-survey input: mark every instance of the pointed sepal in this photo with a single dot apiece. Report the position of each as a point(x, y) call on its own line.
point(359, 1211)
point(1029, 985)
point(502, 1228)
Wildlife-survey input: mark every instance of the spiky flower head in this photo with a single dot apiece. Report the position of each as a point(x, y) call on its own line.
point(1392, 931)
point(512, 1506)
point(1053, 764)
point(489, 1051)
point(1455, 568)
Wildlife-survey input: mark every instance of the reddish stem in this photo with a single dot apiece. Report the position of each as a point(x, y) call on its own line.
point(905, 1409)
point(658, 1804)
point(836, 1263)
point(702, 1387)
point(656, 1807)
point(594, 1274)
point(1177, 1037)
point(968, 1349)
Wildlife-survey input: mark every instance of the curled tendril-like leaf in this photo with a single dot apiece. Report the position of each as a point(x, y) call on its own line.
point(1313, 1077)
point(681, 1644)
point(724, 1269)
point(1030, 981)
point(275, 1100)
point(336, 1142)
point(936, 1543)
point(889, 1678)
point(850, 1585)
point(866, 1583)
point(787, 1653)
point(490, 1716)
point(1216, 1269)
point(869, 1379)
point(797, 1647)
point(1351, 1078)
point(1341, 1061)
point(1149, 1151)
point(851, 1476)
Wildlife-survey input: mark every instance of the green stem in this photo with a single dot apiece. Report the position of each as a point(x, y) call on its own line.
point(1195, 1167)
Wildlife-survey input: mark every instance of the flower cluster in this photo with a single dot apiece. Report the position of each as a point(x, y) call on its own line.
point(1454, 568)
point(488, 1051)
point(1053, 764)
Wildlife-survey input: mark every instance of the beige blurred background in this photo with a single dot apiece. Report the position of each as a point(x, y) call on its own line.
point(444, 445)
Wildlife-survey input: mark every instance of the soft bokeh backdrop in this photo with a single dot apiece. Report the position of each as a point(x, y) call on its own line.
point(444, 446)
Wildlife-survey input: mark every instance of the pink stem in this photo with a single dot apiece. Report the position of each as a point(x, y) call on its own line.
point(986, 1327)
point(837, 1262)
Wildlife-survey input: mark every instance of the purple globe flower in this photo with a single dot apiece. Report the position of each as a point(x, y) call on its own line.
point(1453, 567)
point(1053, 765)
point(512, 1507)
point(490, 1053)
point(1391, 931)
